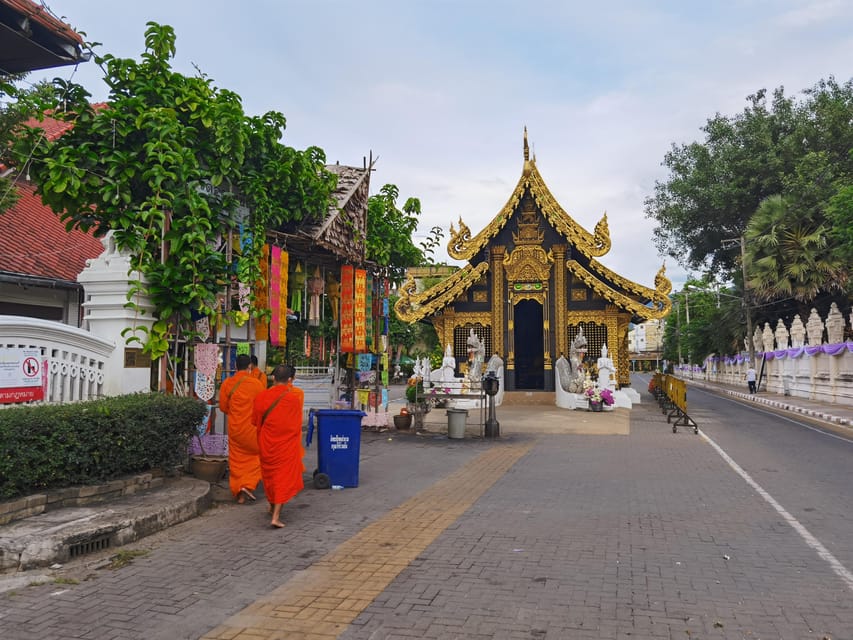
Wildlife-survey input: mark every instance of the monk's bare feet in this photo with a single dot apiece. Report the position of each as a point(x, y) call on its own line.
point(240, 499)
point(277, 524)
point(245, 493)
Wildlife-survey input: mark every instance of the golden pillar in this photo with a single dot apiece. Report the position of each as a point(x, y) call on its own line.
point(559, 253)
point(498, 304)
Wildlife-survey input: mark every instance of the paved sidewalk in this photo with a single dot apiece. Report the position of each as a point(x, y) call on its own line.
point(571, 525)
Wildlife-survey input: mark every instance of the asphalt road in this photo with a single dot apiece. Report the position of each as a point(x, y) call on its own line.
point(806, 470)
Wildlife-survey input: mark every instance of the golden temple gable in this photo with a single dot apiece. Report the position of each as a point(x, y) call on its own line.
point(531, 283)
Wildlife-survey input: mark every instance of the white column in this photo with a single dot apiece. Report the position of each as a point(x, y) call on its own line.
point(106, 281)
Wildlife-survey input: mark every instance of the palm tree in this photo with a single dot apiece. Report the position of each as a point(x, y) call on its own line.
point(787, 254)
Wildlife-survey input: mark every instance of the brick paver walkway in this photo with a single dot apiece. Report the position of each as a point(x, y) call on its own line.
point(564, 528)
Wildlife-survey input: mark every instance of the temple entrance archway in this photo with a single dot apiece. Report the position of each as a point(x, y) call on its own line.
point(529, 343)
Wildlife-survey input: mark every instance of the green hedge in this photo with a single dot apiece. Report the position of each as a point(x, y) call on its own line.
point(53, 446)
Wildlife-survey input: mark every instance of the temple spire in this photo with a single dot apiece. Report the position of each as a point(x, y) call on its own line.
point(526, 148)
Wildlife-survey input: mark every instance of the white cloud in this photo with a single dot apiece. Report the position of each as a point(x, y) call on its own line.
point(440, 90)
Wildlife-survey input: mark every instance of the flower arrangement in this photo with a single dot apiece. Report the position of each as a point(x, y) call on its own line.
point(594, 394)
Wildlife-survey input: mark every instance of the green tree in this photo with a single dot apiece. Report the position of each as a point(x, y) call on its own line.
point(788, 254)
point(172, 165)
point(714, 186)
point(431, 243)
point(17, 105)
point(389, 232)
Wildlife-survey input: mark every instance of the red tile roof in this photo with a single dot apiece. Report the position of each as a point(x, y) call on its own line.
point(39, 14)
point(34, 242)
point(52, 127)
point(31, 38)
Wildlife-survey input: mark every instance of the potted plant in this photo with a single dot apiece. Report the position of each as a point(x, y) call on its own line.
point(598, 398)
point(403, 420)
point(205, 466)
point(418, 405)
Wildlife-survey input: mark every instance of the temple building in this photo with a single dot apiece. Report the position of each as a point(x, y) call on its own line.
point(531, 284)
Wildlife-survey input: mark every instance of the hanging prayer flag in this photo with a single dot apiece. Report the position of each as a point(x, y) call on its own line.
point(360, 311)
point(282, 298)
point(297, 284)
point(347, 312)
point(368, 305)
point(275, 307)
point(262, 298)
point(365, 362)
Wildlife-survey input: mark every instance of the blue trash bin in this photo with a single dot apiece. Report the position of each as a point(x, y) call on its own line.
point(338, 446)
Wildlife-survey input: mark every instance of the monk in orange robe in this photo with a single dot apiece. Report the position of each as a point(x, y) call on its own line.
point(259, 373)
point(236, 399)
point(278, 414)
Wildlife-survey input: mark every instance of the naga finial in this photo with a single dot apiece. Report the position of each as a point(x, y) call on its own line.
point(662, 283)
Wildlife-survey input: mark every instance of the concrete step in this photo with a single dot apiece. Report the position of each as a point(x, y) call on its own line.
point(529, 398)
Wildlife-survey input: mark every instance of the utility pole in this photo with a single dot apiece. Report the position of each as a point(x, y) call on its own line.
point(749, 344)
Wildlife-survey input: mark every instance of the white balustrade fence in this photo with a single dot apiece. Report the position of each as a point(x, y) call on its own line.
point(75, 358)
point(811, 360)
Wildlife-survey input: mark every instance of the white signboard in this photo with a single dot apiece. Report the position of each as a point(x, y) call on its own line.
point(22, 375)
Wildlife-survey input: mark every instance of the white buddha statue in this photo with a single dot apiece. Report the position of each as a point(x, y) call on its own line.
point(606, 370)
point(447, 371)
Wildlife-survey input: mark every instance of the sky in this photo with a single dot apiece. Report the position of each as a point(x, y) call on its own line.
point(441, 90)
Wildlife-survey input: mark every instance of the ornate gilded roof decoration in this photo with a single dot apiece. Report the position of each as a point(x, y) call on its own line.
point(461, 246)
point(529, 231)
point(528, 263)
point(458, 239)
point(662, 283)
point(660, 302)
point(412, 306)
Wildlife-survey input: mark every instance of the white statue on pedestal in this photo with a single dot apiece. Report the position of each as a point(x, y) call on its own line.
point(798, 332)
point(814, 328)
point(447, 371)
point(577, 353)
point(606, 371)
point(781, 335)
point(834, 325)
point(476, 355)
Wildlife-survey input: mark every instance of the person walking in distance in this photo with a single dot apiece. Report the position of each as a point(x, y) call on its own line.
point(750, 378)
point(278, 415)
point(236, 399)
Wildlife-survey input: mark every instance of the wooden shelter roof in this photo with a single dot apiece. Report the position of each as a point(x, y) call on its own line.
point(339, 235)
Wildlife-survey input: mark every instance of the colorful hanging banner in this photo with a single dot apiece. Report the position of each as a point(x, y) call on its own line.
point(297, 284)
point(360, 311)
point(282, 298)
point(368, 305)
point(347, 310)
point(275, 307)
point(262, 298)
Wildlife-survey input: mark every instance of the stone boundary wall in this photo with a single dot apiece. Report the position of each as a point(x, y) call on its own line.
point(77, 496)
point(820, 377)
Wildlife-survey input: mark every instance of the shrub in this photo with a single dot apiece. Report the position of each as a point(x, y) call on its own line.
point(52, 446)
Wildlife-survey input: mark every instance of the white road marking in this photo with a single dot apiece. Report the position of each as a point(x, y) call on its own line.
point(841, 571)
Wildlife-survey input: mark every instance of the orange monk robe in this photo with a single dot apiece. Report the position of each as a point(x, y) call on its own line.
point(236, 399)
point(260, 375)
point(280, 441)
